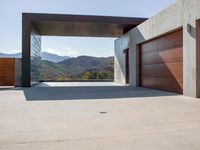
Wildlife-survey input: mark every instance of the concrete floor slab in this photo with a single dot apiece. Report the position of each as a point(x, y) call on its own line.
point(97, 118)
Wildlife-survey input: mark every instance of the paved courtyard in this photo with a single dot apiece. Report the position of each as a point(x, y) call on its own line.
point(97, 118)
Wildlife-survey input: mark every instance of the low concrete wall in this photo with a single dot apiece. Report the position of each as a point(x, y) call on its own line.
point(182, 14)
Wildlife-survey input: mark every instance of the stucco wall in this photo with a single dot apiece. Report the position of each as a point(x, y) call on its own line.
point(178, 15)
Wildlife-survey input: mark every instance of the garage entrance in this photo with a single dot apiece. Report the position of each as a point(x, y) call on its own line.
point(161, 63)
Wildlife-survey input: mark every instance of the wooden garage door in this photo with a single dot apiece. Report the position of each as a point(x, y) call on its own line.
point(7, 71)
point(161, 63)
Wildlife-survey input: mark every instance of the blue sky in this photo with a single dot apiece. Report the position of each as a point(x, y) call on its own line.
point(11, 11)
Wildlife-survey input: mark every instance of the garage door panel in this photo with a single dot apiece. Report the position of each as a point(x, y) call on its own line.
point(149, 70)
point(170, 55)
point(169, 44)
point(170, 84)
point(171, 40)
point(171, 70)
point(162, 68)
point(149, 47)
point(149, 82)
point(149, 58)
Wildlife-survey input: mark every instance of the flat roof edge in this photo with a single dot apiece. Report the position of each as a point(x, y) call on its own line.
point(82, 18)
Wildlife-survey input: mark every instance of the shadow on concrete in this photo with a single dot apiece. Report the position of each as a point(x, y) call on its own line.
point(6, 88)
point(89, 93)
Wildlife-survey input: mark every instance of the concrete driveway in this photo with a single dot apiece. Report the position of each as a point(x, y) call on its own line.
point(97, 118)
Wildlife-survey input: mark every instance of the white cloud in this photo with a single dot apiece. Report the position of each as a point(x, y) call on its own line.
point(62, 52)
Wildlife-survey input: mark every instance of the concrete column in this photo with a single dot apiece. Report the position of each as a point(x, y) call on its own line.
point(119, 59)
point(135, 38)
point(18, 72)
point(189, 61)
point(133, 66)
point(26, 26)
point(191, 73)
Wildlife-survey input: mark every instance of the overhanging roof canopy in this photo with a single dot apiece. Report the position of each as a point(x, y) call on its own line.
point(81, 25)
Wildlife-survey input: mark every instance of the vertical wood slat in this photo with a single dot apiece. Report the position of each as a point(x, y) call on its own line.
point(7, 71)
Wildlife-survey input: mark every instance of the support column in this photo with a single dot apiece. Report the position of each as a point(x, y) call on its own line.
point(25, 52)
point(191, 56)
point(198, 58)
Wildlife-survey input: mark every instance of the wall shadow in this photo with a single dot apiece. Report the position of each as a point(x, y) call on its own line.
point(3, 88)
point(89, 93)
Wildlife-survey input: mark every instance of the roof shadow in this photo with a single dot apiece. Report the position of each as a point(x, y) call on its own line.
point(89, 93)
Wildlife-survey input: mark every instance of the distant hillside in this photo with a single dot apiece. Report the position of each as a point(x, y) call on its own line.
point(78, 65)
point(53, 57)
point(56, 67)
point(45, 56)
point(78, 68)
point(52, 71)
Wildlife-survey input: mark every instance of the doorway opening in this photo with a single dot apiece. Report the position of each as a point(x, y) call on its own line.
point(127, 66)
point(77, 59)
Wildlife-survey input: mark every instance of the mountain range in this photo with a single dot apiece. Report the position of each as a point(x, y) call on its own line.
point(54, 67)
point(45, 56)
point(75, 68)
point(53, 57)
